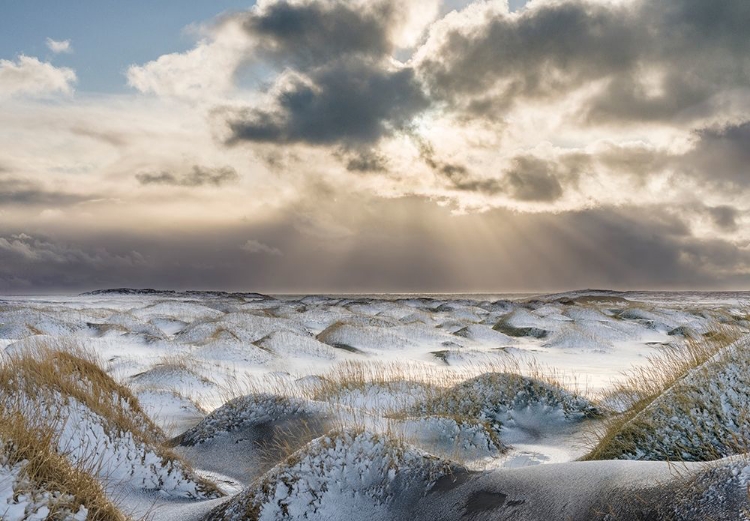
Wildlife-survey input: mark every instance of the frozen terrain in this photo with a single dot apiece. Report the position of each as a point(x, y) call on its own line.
point(249, 406)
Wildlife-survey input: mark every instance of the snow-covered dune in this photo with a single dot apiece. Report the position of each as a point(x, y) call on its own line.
point(341, 476)
point(95, 423)
point(703, 416)
point(379, 407)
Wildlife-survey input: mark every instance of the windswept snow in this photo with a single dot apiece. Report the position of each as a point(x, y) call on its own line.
point(389, 407)
point(248, 410)
point(703, 416)
point(338, 476)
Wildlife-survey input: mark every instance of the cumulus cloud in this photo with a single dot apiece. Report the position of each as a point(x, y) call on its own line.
point(309, 34)
point(280, 34)
point(611, 62)
point(205, 72)
point(345, 102)
point(336, 80)
point(61, 46)
point(28, 76)
point(641, 60)
point(253, 246)
point(198, 176)
point(483, 50)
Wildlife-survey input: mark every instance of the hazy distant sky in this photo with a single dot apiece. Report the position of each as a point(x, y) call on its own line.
point(343, 146)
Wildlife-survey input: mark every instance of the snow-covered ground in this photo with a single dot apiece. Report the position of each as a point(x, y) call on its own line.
point(472, 386)
point(22, 500)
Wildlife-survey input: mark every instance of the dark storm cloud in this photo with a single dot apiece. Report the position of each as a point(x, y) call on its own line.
point(653, 61)
point(43, 250)
point(529, 178)
point(650, 247)
point(701, 49)
point(721, 155)
point(532, 179)
point(39, 263)
point(23, 192)
point(627, 99)
point(306, 35)
point(715, 256)
point(578, 41)
point(348, 101)
point(365, 160)
point(724, 217)
point(462, 179)
point(198, 176)
point(395, 245)
point(693, 50)
point(458, 175)
point(536, 179)
point(338, 85)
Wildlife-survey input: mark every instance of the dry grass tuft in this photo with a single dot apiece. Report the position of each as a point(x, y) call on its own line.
point(47, 371)
point(48, 470)
point(641, 386)
point(65, 367)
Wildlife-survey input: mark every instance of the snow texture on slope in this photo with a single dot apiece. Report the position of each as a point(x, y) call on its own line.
point(342, 476)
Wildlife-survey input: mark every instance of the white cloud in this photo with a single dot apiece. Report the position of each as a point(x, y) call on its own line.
point(31, 77)
point(205, 71)
point(58, 47)
point(413, 20)
point(253, 246)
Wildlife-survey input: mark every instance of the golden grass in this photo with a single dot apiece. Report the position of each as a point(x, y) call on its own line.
point(288, 439)
point(642, 385)
point(402, 383)
point(35, 447)
point(352, 375)
point(65, 367)
point(386, 397)
point(48, 370)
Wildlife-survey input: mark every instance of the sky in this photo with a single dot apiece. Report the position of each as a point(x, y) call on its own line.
point(331, 146)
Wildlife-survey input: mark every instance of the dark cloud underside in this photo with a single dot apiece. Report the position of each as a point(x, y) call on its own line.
point(398, 251)
point(346, 102)
point(692, 49)
point(197, 176)
point(313, 34)
point(725, 217)
point(721, 155)
point(19, 191)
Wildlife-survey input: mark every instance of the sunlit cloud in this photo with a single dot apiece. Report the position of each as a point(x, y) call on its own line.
point(27, 76)
point(535, 135)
